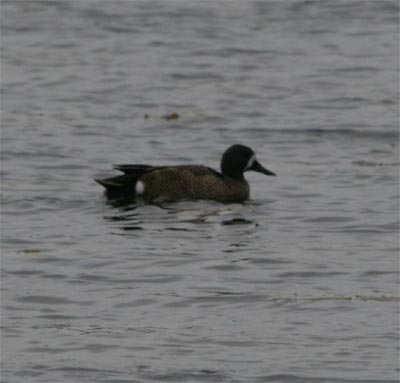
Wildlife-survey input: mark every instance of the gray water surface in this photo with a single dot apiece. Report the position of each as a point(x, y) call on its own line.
point(298, 284)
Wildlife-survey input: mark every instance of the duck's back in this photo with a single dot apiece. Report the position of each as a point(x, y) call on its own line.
point(192, 182)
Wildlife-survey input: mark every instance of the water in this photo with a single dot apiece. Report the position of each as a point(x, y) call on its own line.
point(298, 284)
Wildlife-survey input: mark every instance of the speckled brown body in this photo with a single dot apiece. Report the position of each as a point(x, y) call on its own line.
point(192, 182)
point(187, 182)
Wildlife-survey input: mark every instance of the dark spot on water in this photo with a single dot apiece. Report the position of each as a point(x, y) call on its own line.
point(131, 228)
point(237, 221)
point(129, 203)
point(31, 251)
point(178, 229)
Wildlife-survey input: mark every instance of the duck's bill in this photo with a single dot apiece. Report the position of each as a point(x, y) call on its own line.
point(257, 167)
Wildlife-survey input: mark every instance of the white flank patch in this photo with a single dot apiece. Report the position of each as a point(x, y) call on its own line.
point(139, 188)
point(250, 163)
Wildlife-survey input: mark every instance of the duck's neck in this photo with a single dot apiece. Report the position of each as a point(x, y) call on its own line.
point(238, 176)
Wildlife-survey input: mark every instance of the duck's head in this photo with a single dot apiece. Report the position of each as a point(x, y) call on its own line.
point(239, 159)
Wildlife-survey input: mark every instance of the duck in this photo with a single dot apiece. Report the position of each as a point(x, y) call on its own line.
point(188, 182)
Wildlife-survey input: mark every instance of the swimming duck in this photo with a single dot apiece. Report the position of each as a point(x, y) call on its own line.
point(188, 182)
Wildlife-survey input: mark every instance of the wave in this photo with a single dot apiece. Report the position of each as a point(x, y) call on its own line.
point(388, 134)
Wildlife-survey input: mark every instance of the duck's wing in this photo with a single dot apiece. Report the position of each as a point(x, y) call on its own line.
point(217, 174)
point(134, 169)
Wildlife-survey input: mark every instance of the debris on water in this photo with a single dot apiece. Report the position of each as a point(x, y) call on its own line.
point(31, 251)
point(172, 116)
point(166, 117)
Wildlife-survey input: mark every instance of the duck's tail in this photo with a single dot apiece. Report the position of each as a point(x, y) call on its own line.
point(124, 185)
point(119, 186)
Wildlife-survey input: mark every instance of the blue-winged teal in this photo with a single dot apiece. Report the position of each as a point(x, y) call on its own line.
point(193, 182)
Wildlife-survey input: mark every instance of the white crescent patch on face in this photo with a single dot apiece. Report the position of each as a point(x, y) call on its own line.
point(250, 162)
point(139, 188)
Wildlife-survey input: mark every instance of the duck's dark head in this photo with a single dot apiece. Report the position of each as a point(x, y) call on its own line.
point(239, 159)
